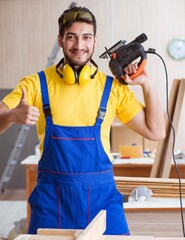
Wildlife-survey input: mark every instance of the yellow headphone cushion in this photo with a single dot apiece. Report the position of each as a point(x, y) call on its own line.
point(71, 77)
point(85, 74)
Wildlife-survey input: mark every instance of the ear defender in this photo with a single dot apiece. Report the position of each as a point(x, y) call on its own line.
point(84, 75)
point(72, 77)
point(69, 74)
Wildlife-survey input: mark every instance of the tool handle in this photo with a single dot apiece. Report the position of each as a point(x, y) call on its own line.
point(140, 69)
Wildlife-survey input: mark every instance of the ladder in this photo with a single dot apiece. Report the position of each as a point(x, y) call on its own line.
point(21, 138)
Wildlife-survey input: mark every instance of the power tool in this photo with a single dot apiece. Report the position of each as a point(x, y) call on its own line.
point(122, 54)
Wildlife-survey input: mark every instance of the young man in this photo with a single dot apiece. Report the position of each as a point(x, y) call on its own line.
point(74, 105)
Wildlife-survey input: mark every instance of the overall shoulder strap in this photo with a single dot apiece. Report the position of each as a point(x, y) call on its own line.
point(104, 100)
point(44, 93)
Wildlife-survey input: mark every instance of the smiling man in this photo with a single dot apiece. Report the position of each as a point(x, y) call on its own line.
point(74, 104)
point(78, 44)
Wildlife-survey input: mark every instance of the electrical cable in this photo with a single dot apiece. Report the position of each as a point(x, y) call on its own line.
point(152, 51)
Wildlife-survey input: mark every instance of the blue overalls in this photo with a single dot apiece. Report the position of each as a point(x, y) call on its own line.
point(75, 176)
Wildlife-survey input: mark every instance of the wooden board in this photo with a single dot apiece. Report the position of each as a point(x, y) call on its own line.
point(165, 170)
point(162, 145)
point(43, 237)
point(139, 238)
point(161, 187)
point(165, 151)
point(104, 237)
point(59, 232)
point(95, 229)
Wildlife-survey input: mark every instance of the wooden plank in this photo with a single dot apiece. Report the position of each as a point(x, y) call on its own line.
point(104, 237)
point(141, 179)
point(161, 187)
point(95, 229)
point(165, 170)
point(43, 237)
point(59, 232)
point(109, 237)
point(162, 145)
point(139, 238)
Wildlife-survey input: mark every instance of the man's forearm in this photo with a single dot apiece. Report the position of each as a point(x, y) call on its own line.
point(154, 112)
point(5, 120)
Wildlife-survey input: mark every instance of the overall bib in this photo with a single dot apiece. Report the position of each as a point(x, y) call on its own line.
point(75, 176)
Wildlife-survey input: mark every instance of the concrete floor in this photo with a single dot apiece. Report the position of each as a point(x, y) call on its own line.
point(11, 214)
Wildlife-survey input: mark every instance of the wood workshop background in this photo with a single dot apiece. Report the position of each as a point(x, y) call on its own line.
point(28, 32)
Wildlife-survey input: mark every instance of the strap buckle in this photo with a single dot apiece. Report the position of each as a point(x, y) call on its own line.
point(101, 113)
point(47, 110)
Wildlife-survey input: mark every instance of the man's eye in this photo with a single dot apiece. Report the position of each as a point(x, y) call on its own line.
point(87, 37)
point(70, 37)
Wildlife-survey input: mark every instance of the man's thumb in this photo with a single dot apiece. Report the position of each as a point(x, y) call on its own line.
point(23, 98)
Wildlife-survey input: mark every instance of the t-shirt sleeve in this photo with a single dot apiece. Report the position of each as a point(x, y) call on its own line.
point(30, 84)
point(128, 106)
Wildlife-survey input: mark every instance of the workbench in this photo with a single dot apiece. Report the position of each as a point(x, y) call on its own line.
point(141, 167)
point(125, 167)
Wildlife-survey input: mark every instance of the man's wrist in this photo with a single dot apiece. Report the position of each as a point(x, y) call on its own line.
point(11, 116)
point(147, 84)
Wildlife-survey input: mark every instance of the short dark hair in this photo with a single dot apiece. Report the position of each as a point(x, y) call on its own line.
point(76, 14)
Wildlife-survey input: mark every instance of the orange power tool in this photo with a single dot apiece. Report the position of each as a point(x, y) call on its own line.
point(122, 54)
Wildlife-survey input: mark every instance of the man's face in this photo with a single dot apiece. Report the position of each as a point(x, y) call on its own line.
point(78, 43)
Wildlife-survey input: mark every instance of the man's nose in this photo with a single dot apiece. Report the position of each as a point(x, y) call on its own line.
point(79, 43)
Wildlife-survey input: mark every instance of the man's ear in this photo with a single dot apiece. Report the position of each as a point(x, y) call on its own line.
point(95, 39)
point(60, 41)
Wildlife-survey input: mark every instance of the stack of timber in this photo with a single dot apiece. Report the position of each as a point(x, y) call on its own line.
point(161, 187)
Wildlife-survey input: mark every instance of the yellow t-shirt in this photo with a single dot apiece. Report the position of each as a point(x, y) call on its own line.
point(76, 105)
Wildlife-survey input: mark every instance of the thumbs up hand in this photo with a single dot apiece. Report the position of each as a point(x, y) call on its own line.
point(24, 113)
